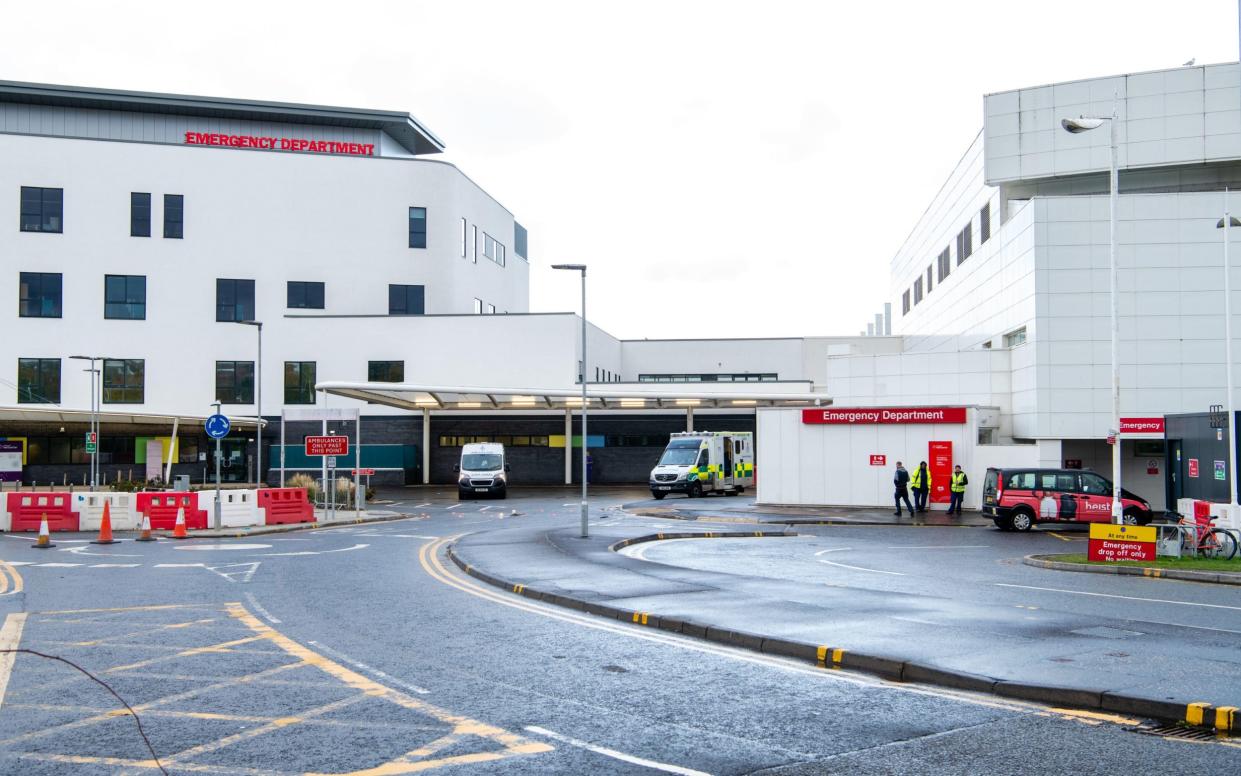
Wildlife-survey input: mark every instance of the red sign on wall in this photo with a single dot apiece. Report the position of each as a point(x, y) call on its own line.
point(1143, 426)
point(878, 460)
point(271, 143)
point(327, 445)
point(940, 466)
point(872, 415)
point(1193, 467)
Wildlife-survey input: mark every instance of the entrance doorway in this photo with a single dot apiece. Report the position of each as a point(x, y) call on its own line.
point(235, 463)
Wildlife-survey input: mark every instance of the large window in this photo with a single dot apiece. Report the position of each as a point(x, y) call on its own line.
point(918, 290)
point(984, 223)
point(123, 381)
point(140, 214)
point(944, 264)
point(405, 300)
point(964, 246)
point(299, 382)
point(1015, 338)
point(520, 240)
point(42, 209)
point(39, 295)
point(493, 249)
point(905, 303)
point(125, 297)
point(465, 238)
point(38, 381)
point(234, 299)
point(385, 371)
point(723, 377)
point(234, 382)
point(417, 227)
point(305, 295)
point(174, 216)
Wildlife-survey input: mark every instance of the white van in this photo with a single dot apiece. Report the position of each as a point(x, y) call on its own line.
point(699, 462)
point(482, 471)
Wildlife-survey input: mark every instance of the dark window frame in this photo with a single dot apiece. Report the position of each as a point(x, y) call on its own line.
point(38, 391)
point(35, 304)
point(139, 214)
point(303, 391)
point(918, 290)
point(130, 388)
point(130, 291)
point(984, 223)
point(303, 295)
point(237, 387)
point(403, 296)
point(905, 303)
point(418, 227)
point(231, 311)
point(385, 371)
point(174, 216)
point(41, 209)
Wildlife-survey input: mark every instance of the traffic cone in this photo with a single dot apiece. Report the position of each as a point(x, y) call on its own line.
point(45, 536)
point(105, 526)
point(145, 536)
point(178, 530)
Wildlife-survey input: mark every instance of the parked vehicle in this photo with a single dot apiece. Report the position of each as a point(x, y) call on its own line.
point(700, 462)
point(1017, 499)
point(482, 471)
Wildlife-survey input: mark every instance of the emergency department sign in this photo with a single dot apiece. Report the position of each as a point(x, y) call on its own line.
point(1111, 543)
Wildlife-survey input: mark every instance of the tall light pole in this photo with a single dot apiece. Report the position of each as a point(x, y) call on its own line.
point(1226, 223)
point(96, 379)
point(219, 459)
point(258, 401)
point(1076, 126)
point(585, 445)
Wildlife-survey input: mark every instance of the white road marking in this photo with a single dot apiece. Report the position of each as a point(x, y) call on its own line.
point(834, 549)
point(243, 570)
point(224, 547)
point(115, 565)
point(615, 755)
point(1125, 597)
point(10, 637)
point(85, 550)
point(420, 506)
point(453, 506)
point(940, 547)
point(314, 552)
point(180, 565)
point(58, 565)
point(371, 669)
point(859, 568)
point(25, 538)
point(21, 562)
point(258, 607)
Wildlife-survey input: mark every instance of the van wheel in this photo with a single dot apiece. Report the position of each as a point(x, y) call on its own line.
point(1022, 520)
point(739, 491)
point(1004, 523)
point(659, 495)
point(694, 491)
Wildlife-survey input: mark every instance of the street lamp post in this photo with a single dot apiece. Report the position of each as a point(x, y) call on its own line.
point(258, 402)
point(96, 384)
point(585, 445)
point(219, 459)
point(1077, 126)
point(1226, 223)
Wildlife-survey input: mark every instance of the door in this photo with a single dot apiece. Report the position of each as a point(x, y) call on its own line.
point(729, 467)
point(1095, 500)
point(235, 462)
point(1057, 496)
point(1175, 483)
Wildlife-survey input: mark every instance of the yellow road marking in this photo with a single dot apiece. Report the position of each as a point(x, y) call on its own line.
point(143, 632)
point(10, 637)
point(221, 647)
point(121, 761)
point(153, 608)
point(1059, 536)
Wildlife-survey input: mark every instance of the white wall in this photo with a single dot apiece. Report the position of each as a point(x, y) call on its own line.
point(1096, 454)
point(711, 356)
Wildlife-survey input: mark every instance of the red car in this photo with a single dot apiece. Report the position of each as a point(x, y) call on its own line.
point(1016, 499)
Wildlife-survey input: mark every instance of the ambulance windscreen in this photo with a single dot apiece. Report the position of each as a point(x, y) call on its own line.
point(680, 452)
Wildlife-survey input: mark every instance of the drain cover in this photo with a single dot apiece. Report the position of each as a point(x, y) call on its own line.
point(1176, 731)
point(1104, 632)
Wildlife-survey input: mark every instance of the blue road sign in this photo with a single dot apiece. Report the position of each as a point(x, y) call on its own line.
point(217, 426)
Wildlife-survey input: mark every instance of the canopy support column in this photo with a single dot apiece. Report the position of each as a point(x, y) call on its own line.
point(689, 418)
point(568, 446)
point(426, 445)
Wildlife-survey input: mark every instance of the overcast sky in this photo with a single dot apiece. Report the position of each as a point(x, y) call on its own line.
point(725, 168)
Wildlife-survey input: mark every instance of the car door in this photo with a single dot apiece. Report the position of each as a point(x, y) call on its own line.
point(1094, 499)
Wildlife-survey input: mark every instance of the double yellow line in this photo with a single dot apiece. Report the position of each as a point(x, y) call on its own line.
point(10, 581)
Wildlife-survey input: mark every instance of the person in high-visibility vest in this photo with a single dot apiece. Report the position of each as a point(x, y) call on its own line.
point(959, 481)
point(920, 484)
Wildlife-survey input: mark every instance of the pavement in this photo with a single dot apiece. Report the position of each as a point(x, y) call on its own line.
point(734, 509)
point(364, 649)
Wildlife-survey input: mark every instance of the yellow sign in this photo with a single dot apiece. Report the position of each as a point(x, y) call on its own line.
point(1122, 533)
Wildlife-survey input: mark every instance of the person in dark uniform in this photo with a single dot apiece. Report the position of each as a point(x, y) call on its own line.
point(900, 481)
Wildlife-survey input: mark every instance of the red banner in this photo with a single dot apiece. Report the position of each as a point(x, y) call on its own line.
point(327, 445)
point(874, 415)
point(274, 143)
point(939, 455)
point(878, 460)
point(1142, 426)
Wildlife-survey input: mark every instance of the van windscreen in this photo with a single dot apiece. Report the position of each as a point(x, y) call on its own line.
point(481, 462)
point(680, 452)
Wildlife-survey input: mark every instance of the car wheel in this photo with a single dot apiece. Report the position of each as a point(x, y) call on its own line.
point(1134, 517)
point(694, 490)
point(658, 495)
point(1022, 520)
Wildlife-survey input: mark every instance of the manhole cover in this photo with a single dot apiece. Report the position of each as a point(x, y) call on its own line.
point(616, 669)
point(1104, 632)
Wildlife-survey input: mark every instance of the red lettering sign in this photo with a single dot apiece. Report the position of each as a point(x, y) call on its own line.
point(873, 415)
point(1142, 426)
point(327, 445)
point(940, 466)
point(1193, 467)
point(878, 460)
point(1108, 551)
point(362, 472)
point(270, 143)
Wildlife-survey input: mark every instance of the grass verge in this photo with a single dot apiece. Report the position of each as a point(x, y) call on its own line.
point(1188, 564)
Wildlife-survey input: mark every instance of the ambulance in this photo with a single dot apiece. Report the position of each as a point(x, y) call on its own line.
point(700, 462)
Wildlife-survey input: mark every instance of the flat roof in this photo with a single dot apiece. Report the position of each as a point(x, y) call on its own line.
point(598, 396)
point(406, 129)
point(67, 415)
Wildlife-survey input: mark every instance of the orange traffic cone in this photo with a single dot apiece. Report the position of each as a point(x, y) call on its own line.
point(45, 536)
point(145, 536)
point(178, 530)
point(105, 526)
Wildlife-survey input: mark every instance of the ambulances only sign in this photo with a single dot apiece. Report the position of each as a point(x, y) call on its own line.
point(272, 143)
point(872, 415)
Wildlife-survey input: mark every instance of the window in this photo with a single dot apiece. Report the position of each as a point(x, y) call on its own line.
point(503, 439)
point(125, 297)
point(39, 295)
point(918, 290)
point(478, 307)
point(417, 227)
point(174, 216)
point(492, 249)
point(984, 223)
point(1015, 338)
point(929, 280)
point(474, 243)
point(38, 381)
point(234, 300)
point(299, 382)
point(520, 240)
point(596, 374)
point(465, 237)
point(1093, 483)
point(123, 381)
point(405, 300)
point(139, 214)
point(491, 309)
point(385, 371)
point(905, 303)
point(964, 248)
point(1020, 481)
point(305, 295)
point(234, 382)
point(42, 209)
point(742, 377)
point(944, 263)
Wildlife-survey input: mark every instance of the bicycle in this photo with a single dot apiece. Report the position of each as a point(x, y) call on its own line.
point(1200, 537)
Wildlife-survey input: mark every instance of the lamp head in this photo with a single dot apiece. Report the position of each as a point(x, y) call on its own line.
point(574, 267)
point(1080, 124)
